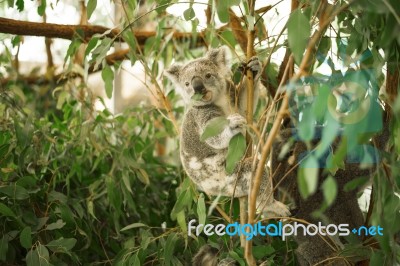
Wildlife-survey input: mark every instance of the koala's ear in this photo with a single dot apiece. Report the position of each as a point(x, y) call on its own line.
point(173, 72)
point(220, 56)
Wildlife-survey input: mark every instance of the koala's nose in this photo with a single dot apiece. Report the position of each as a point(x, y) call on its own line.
point(198, 85)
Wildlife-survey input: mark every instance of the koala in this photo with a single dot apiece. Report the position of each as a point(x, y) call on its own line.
point(206, 84)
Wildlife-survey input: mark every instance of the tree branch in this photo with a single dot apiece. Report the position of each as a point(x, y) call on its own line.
point(52, 30)
point(68, 32)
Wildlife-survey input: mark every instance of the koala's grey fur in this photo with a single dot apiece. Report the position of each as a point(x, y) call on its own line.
point(204, 161)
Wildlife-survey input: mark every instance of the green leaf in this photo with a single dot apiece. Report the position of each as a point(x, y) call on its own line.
point(41, 8)
point(127, 182)
point(57, 225)
point(43, 254)
point(214, 127)
point(306, 126)
point(329, 133)
point(329, 189)
point(197, 97)
point(72, 48)
point(100, 52)
point(6, 211)
point(236, 150)
point(308, 176)
point(181, 219)
point(25, 237)
point(4, 148)
point(184, 199)
point(61, 244)
point(250, 22)
point(90, 207)
point(15, 192)
point(62, 98)
point(16, 41)
point(260, 252)
point(38, 256)
point(134, 260)
point(222, 11)
point(169, 248)
point(134, 225)
point(189, 14)
point(20, 5)
point(323, 49)
point(91, 44)
point(57, 196)
point(298, 34)
point(32, 258)
point(320, 103)
point(201, 209)
point(10, 3)
point(377, 258)
point(3, 248)
point(131, 41)
point(355, 183)
point(107, 75)
point(91, 6)
point(228, 38)
point(143, 176)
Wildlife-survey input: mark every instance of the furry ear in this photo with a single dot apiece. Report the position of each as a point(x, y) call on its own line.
point(220, 56)
point(172, 73)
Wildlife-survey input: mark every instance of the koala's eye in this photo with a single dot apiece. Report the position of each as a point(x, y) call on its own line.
point(187, 84)
point(208, 75)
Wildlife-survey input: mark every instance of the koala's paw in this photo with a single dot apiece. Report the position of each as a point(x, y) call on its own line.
point(236, 122)
point(254, 65)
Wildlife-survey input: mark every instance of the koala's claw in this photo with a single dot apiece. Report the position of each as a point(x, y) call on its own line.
point(236, 121)
point(254, 65)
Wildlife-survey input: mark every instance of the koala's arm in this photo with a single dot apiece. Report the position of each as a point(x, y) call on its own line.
point(255, 66)
point(221, 141)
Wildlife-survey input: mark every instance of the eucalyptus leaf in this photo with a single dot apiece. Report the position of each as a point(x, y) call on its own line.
point(132, 226)
point(298, 34)
point(107, 75)
point(20, 5)
point(61, 244)
point(236, 150)
point(184, 199)
point(329, 189)
point(189, 14)
point(41, 8)
point(26, 238)
point(201, 209)
point(197, 97)
point(56, 225)
point(214, 127)
point(91, 6)
point(308, 176)
point(169, 248)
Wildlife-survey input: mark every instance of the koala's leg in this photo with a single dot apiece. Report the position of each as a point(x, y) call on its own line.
point(265, 200)
point(206, 256)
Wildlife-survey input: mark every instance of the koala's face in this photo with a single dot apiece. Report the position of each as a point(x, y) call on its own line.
point(203, 80)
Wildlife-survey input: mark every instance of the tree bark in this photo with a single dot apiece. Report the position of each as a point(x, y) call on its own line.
point(52, 30)
point(68, 32)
